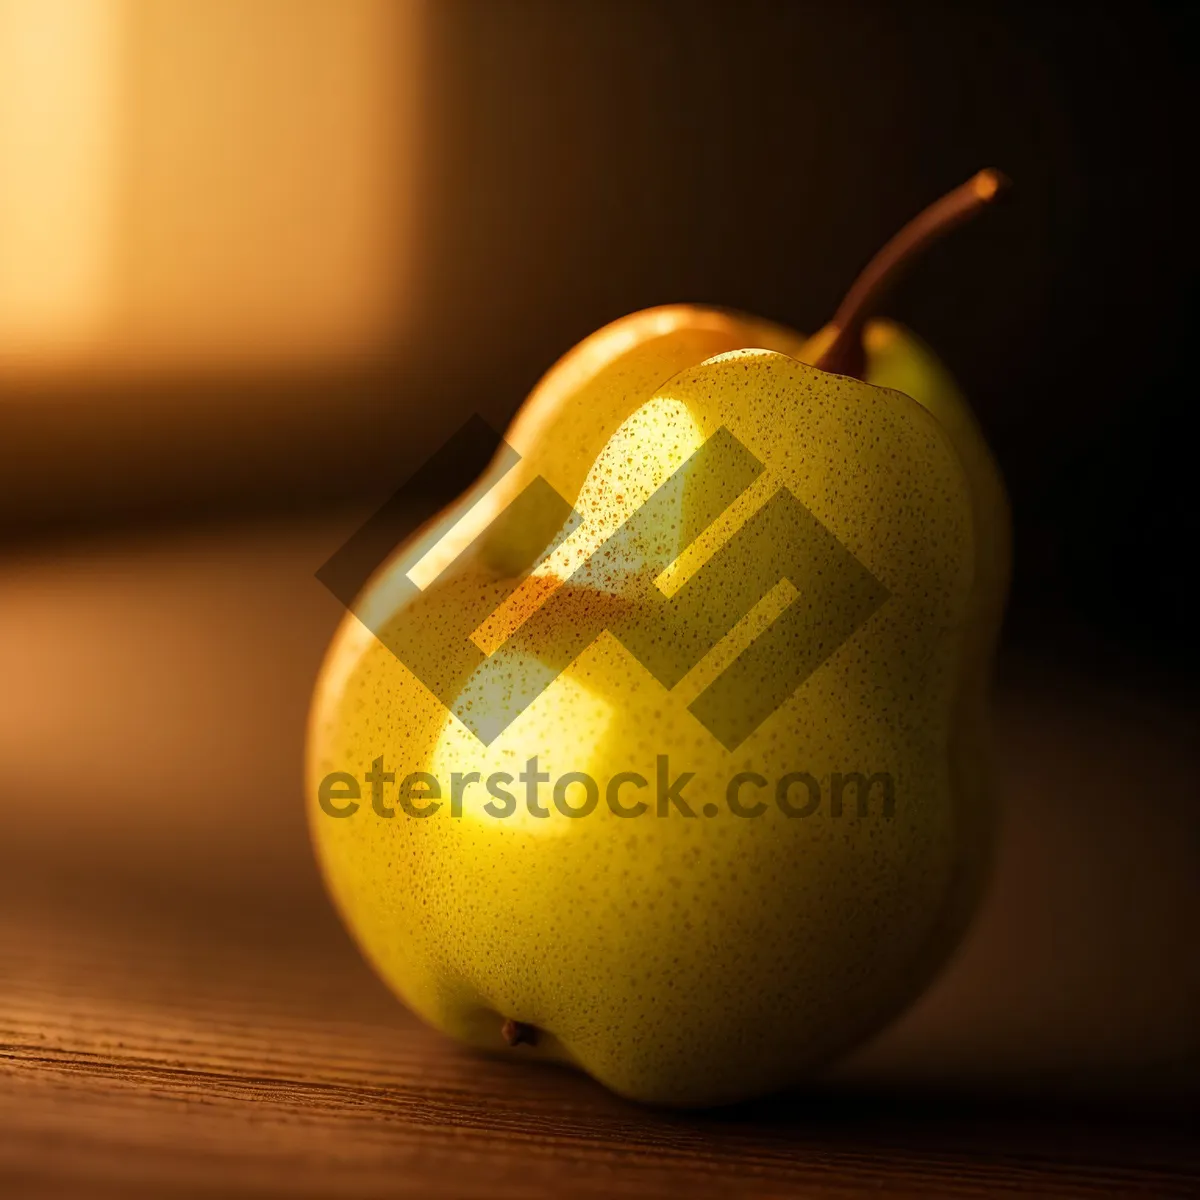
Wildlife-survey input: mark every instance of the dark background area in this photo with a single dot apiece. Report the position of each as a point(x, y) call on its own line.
point(611, 156)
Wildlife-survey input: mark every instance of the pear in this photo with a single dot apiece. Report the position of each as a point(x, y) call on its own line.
point(698, 866)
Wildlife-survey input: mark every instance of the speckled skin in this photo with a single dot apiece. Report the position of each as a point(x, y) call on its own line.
point(703, 960)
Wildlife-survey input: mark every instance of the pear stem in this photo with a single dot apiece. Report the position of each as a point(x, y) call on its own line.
point(517, 1033)
point(845, 354)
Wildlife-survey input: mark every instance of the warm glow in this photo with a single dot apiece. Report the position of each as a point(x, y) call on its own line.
point(59, 147)
point(550, 729)
point(203, 182)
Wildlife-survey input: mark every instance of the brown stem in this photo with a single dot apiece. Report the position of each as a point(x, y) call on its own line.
point(517, 1033)
point(844, 355)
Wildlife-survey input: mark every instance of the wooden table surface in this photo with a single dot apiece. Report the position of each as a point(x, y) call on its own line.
point(182, 1015)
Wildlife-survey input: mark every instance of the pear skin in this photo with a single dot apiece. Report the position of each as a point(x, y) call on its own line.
point(689, 960)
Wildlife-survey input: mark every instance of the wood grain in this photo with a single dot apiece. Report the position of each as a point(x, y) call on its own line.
point(182, 1048)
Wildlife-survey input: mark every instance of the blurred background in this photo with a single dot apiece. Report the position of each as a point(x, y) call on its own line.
point(259, 258)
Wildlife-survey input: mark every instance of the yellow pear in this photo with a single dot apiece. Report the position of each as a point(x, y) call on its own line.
point(663, 752)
